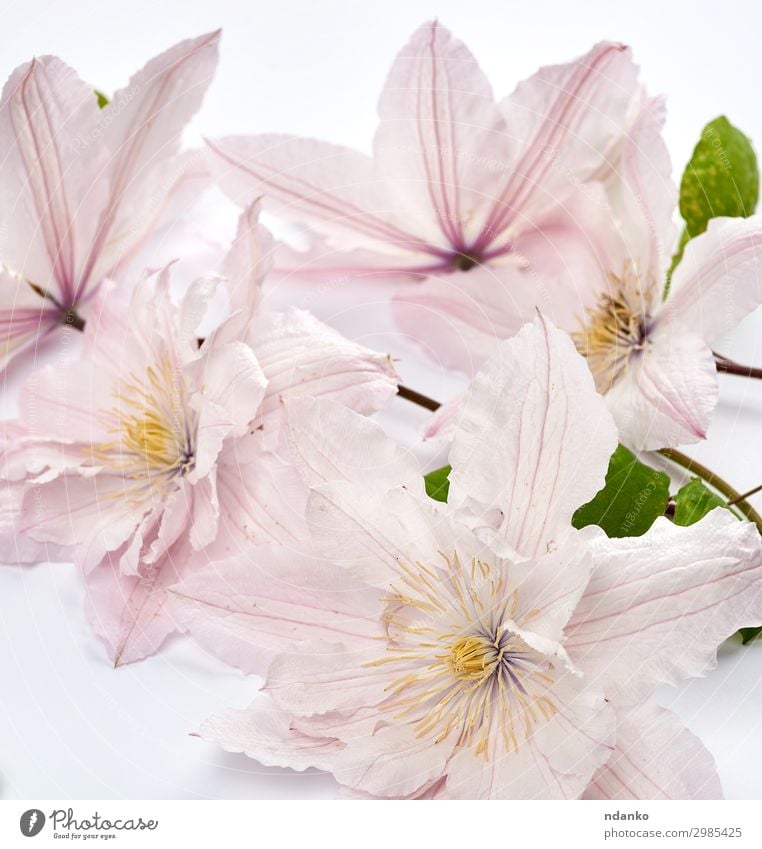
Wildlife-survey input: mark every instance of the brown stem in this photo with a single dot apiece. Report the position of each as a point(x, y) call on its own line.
point(729, 367)
point(416, 398)
point(745, 495)
point(731, 495)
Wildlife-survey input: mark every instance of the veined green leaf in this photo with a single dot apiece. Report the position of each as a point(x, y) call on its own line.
point(721, 179)
point(633, 497)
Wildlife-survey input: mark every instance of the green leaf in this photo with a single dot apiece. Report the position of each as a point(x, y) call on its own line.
point(633, 497)
point(722, 178)
point(748, 634)
point(694, 501)
point(437, 483)
point(102, 99)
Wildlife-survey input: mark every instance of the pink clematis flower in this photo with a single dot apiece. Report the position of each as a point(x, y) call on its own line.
point(457, 182)
point(482, 648)
point(82, 187)
point(152, 453)
point(651, 357)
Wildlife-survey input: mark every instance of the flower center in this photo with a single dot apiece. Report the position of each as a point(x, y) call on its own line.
point(462, 670)
point(153, 439)
point(465, 261)
point(155, 431)
point(474, 657)
point(616, 329)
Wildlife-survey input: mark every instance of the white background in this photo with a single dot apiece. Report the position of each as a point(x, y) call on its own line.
point(72, 727)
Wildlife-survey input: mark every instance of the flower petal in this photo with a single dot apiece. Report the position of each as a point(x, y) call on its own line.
point(659, 605)
point(719, 279)
point(656, 757)
point(248, 262)
point(331, 265)
point(333, 188)
point(370, 533)
point(261, 500)
point(565, 119)
point(669, 392)
point(16, 546)
point(131, 612)
point(330, 442)
point(52, 189)
point(233, 388)
point(435, 144)
point(266, 733)
point(96, 514)
point(246, 608)
point(24, 317)
point(394, 761)
point(558, 760)
point(319, 676)
point(643, 195)
point(141, 130)
point(533, 438)
point(300, 356)
point(441, 426)
point(460, 318)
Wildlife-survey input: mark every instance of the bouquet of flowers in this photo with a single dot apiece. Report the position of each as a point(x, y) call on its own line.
point(496, 627)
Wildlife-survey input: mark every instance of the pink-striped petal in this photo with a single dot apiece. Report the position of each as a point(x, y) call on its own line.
point(130, 613)
point(556, 762)
point(331, 442)
point(533, 438)
point(459, 319)
point(25, 317)
point(233, 386)
point(643, 195)
point(248, 261)
point(300, 356)
point(52, 185)
point(655, 758)
point(333, 188)
point(262, 499)
point(248, 608)
point(565, 119)
point(719, 279)
point(669, 392)
point(658, 606)
point(370, 533)
point(267, 734)
point(318, 676)
point(436, 143)
point(141, 131)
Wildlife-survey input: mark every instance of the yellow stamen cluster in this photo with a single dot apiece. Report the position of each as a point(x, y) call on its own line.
point(474, 657)
point(154, 429)
point(616, 328)
point(462, 670)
